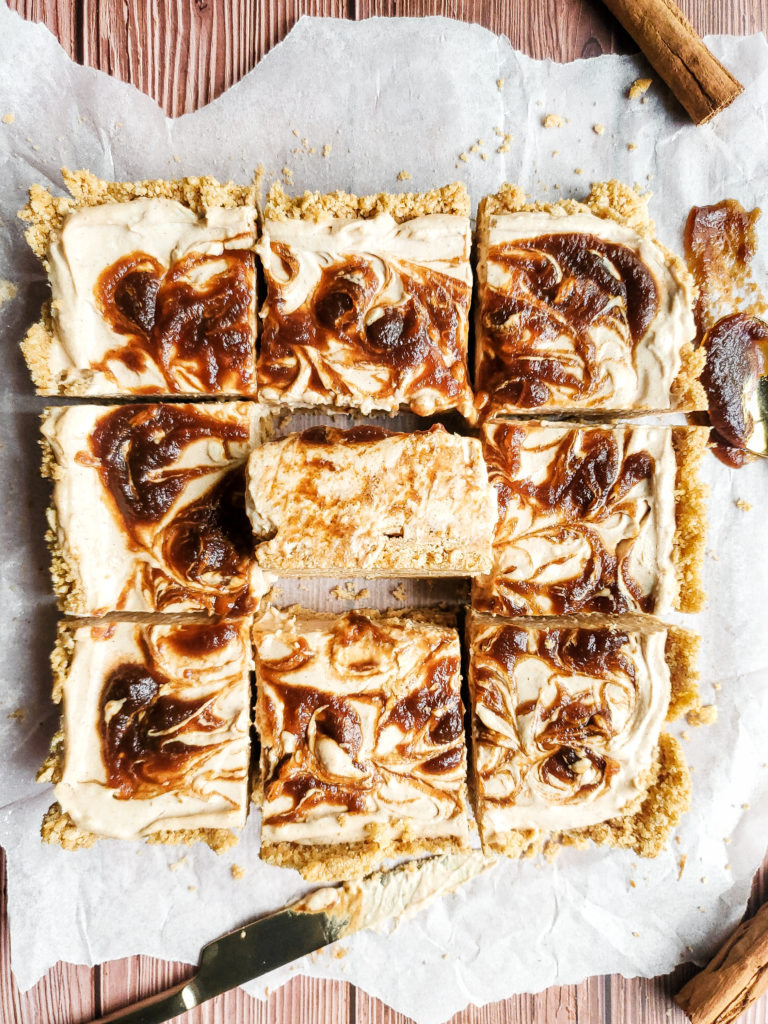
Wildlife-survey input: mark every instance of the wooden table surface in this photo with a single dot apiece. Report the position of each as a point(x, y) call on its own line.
point(184, 53)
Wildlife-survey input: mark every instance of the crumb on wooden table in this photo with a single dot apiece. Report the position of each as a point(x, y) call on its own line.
point(705, 714)
point(553, 121)
point(639, 88)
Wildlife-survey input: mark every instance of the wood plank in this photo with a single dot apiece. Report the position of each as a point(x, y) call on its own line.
point(59, 16)
point(66, 994)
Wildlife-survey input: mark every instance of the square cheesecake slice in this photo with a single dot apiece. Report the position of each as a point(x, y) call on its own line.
point(363, 755)
point(153, 288)
point(367, 301)
point(594, 519)
point(566, 731)
point(155, 732)
point(367, 501)
point(148, 511)
point(581, 308)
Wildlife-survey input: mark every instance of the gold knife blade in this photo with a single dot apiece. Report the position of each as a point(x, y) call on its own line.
point(321, 917)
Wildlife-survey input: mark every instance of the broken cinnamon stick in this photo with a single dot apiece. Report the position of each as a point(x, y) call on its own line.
point(735, 978)
point(675, 50)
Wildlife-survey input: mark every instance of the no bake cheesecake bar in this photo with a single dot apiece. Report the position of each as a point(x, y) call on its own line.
point(148, 510)
point(153, 288)
point(581, 308)
point(330, 502)
point(362, 739)
point(155, 732)
point(566, 731)
point(594, 519)
point(367, 301)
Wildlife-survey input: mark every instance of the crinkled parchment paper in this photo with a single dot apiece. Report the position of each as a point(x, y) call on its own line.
point(387, 97)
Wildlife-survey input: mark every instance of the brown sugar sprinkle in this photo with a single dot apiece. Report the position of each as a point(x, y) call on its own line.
point(703, 715)
point(553, 121)
point(639, 88)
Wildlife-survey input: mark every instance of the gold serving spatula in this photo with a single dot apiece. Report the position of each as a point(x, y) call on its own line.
point(322, 917)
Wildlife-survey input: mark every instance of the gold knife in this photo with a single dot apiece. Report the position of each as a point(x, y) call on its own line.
point(322, 917)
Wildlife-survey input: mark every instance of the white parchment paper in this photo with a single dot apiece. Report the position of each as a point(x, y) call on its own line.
point(386, 96)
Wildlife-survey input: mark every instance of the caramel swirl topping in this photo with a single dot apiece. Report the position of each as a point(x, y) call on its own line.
point(150, 737)
point(400, 324)
point(192, 321)
point(557, 713)
point(574, 507)
point(559, 290)
point(207, 543)
point(354, 745)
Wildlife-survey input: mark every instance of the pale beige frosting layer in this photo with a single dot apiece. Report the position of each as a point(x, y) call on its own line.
point(394, 252)
point(360, 721)
point(92, 239)
point(632, 376)
point(397, 503)
point(107, 570)
point(564, 728)
point(586, 520)
point(208, 789)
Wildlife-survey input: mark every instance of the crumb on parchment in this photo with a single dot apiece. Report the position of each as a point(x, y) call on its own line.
point(706, 714)
point(500, 84)
point(18, 715)
point(9, 118)
point(237, 871)
point(176, 864)
point(287, 174)
point(403, 176)
point(681, 868)
point(553, 121)
point(598, 128)
point(327, 150)
point(639, 88)
point(743, 505)
point(631, 146)
point(399, 593)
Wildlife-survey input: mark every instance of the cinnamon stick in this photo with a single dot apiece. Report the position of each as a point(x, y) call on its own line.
point(735, 978)
point(675, 50)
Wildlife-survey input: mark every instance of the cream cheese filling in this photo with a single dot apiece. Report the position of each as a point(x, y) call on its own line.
point(362, 506)
point(212, 796)
point(92, 239)
point(639, 375)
